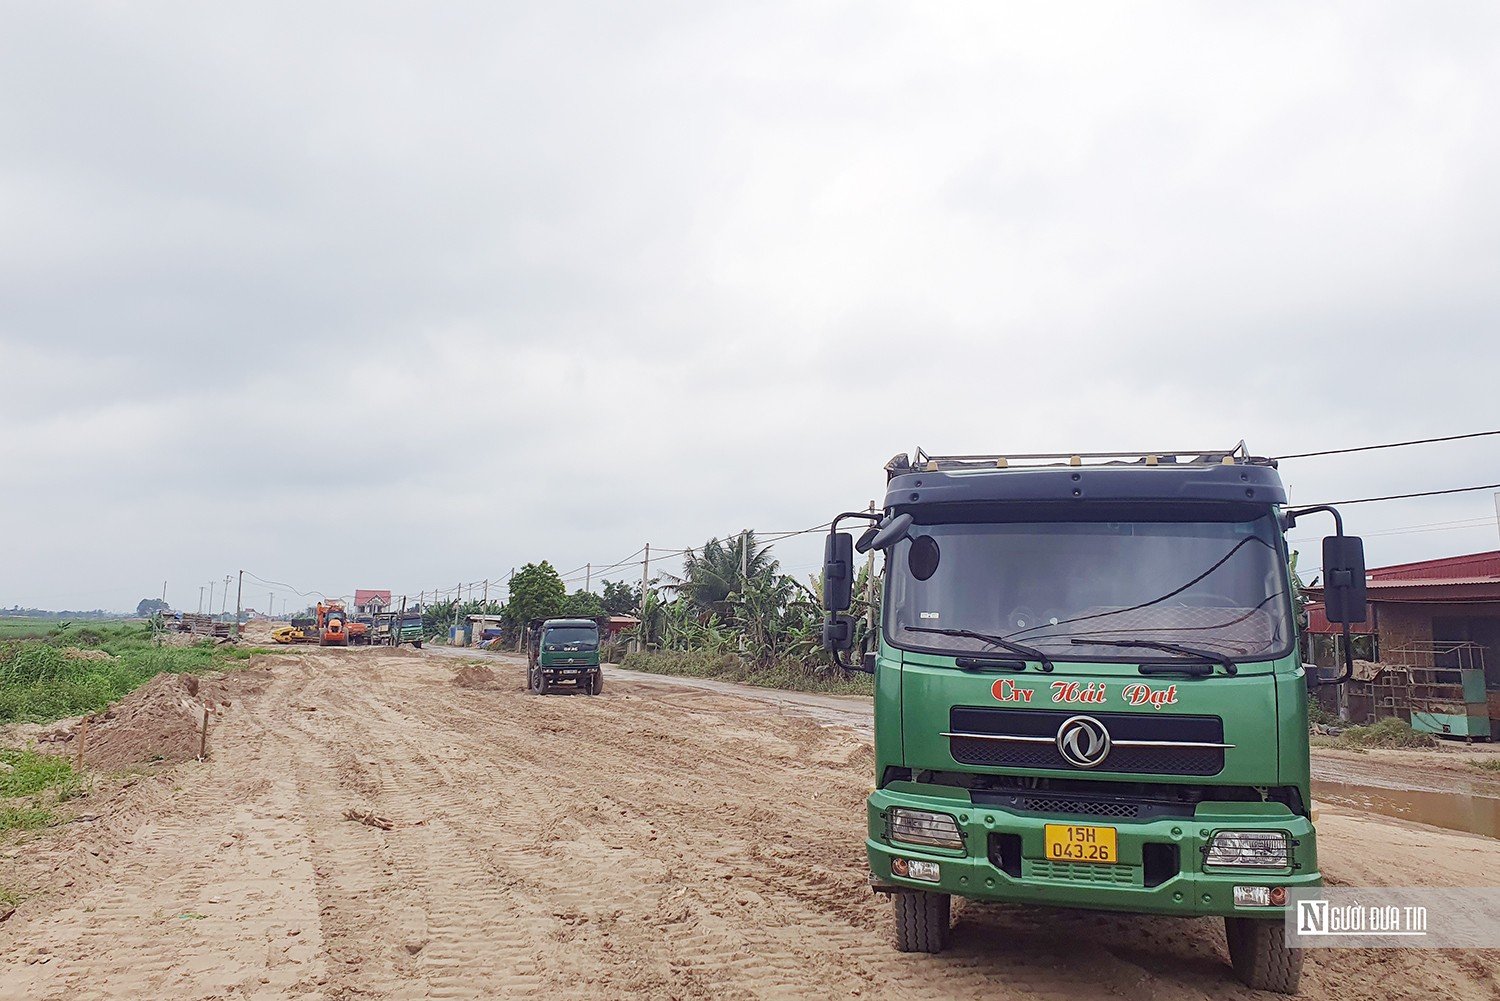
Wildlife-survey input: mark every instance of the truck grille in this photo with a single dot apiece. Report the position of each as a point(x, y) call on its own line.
point(1076, 872)
point(1163, 759)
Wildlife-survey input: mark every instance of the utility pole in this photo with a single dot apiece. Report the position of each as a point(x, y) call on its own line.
point(645, 578)
point(588, 576)
point(271, 605)
point(744, 581)
point(200, 599)
point(870, 586)
point(164, 583)
point(239, 604)
point(211, 586)
point(458, 595)
point(225, 607)
point(486, 596)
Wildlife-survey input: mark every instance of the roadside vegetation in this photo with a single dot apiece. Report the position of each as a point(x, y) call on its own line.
point(31, 786)
point(52, 671)
point(729, 667)
point(731, 614)
point(1389, 733)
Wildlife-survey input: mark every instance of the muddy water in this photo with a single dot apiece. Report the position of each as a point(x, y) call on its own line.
point(1458, 810)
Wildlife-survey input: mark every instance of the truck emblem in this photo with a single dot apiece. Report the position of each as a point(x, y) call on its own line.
point(1083, 741)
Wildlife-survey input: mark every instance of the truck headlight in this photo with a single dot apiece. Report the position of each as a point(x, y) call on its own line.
point(918, 827)
point(1249, 850)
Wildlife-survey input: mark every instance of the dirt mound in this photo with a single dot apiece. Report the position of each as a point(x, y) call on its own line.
point(79, 653)
point(160, 721)
point(474, 676)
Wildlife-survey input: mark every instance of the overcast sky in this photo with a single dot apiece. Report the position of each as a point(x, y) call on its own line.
point(372, 295)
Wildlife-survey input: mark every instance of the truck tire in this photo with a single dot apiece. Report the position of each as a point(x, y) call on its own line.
point(921, 920)
point(596, 681)
point(1260, 956)
point(417, 644)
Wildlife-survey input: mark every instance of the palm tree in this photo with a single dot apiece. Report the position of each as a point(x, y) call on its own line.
point(722, 571)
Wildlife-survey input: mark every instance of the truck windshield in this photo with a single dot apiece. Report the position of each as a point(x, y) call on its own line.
point(583, 636)
point(1218, 586)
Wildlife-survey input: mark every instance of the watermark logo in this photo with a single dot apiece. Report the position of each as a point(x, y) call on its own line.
point(1327, 917)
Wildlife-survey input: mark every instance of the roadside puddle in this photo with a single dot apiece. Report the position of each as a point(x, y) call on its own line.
point(1456, 811)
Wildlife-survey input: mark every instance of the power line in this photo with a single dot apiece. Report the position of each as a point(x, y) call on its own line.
point(1393, 444)
point(1390, 497)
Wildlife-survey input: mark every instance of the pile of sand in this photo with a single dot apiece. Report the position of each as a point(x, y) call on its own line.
point(159, 722)
point(78, 653)
point(474, 676)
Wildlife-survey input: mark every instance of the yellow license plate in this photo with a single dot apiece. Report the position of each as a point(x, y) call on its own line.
point(1077, 843)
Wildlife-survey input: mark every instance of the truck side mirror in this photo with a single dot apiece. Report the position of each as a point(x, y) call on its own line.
point(838, 573)
point(838, 633)
point(892, 532)
point(1344, 596)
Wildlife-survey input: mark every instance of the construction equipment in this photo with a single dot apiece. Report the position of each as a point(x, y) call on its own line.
point(332, 624)
point(290, 634)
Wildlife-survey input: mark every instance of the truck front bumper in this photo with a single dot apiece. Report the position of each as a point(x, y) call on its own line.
point(1004, 859)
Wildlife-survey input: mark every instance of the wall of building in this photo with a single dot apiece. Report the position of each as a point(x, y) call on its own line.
point(1398, 625)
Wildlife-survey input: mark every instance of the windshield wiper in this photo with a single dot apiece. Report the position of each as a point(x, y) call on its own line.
point(1030, 653)
point(1177, 648)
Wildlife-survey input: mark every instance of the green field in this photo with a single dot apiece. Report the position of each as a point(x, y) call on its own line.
point(42, 679)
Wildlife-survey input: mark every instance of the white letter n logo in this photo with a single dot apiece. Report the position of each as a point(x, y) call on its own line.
point(1312, 917)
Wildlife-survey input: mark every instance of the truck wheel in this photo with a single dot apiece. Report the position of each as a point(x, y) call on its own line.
point(542, 685)
point(596, 682)
point(1260, 957)
point(921, 920)
point(417, 644)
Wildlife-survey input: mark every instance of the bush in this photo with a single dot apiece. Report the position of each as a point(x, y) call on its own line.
point(1388, 732)
point(790, 675)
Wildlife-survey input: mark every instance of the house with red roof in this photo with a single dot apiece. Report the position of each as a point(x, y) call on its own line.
point(371, 602)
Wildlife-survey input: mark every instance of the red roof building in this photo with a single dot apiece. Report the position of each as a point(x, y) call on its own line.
point(1420, 610)
point(371, 602)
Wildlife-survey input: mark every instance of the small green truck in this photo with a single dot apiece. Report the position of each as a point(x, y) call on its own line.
point(1088, 691)
point(563, 654)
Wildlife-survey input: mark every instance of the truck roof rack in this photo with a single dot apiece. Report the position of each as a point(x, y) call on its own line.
point(921, 461)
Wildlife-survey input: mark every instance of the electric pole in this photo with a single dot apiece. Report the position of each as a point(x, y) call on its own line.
point(744, 582)
point(645, 582)
point(225, 607)
point(870, 586)
point(200, 599)
point(239, 604)
point(211, 586)
point(588, 577)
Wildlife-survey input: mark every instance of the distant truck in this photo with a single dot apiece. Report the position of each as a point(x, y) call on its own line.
point(563, 653)
point(396, 628)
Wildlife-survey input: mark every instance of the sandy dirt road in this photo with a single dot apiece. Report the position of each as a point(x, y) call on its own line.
point(657, 841)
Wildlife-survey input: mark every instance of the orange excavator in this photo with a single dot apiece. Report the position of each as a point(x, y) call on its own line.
point(334, 627)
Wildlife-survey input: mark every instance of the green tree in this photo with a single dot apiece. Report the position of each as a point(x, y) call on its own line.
point(621, 598)
point(536, 592)
point(150, 606)
point(583, 605)
point(723, 570)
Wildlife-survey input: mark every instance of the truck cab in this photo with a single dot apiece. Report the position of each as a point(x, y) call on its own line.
point(563, 653)
point(1088, 692)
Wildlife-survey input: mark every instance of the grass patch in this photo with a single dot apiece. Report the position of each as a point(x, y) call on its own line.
point(40, 682)
point(792, 676)
point(25, 818)
point(28, 773)
point(1387, 733)
point(1490, 765)
point(9, 898)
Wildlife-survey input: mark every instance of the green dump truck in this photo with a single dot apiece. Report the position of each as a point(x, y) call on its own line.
point(1088, 691)
point(563, 654)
